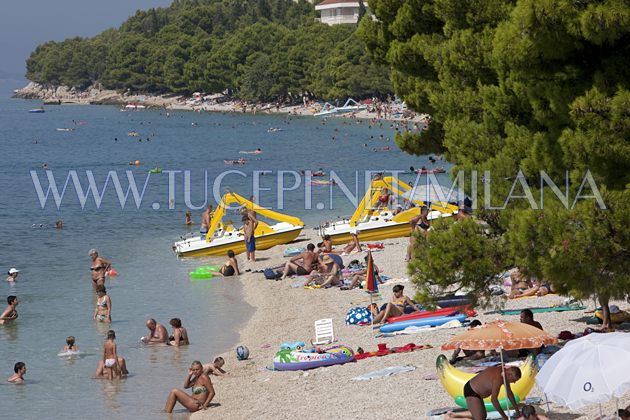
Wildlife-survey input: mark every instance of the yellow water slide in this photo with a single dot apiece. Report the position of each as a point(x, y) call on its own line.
point(233, 198)
point(367, 205)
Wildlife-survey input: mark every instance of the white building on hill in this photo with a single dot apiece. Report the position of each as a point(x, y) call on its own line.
point(334, 12)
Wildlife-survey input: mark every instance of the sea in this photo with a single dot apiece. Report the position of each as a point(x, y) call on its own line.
point(86, 165)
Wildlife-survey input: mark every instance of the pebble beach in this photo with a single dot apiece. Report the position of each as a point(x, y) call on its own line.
point(285, 313)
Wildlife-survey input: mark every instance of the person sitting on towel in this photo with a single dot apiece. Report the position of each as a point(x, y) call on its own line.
point(399, 305)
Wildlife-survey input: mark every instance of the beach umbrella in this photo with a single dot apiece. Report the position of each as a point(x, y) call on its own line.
point(371, 284)
point(589, 370)
point(370, 276)
point(501, 335)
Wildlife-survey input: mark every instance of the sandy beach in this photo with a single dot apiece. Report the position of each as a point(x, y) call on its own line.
point(284, 313)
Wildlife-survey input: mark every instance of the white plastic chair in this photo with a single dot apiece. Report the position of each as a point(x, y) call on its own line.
point(324, 332)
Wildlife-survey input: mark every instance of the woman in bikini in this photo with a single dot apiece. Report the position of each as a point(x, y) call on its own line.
point(112, 368)
point(201, 387)
point(399, 305)
point(230, 267)
point(103, 309)
point(100, 266)
point(180, 335)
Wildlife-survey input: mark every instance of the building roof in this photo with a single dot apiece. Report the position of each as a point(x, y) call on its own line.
point(327, 2)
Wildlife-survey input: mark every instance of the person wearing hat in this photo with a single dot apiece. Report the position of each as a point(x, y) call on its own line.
point(13, 273)
point(100, 266)
point(329, 272)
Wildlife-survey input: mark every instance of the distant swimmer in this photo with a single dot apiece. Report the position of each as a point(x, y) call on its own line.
point(10, 313)
point(188, 218)
point(252, 152)
point(59, 224)
point(158, 335)
point(18, 376)
point(13, 274)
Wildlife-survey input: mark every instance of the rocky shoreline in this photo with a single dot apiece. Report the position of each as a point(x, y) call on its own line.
point(95, 95)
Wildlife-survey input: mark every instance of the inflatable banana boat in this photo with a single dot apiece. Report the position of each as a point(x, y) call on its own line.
point(453, 381)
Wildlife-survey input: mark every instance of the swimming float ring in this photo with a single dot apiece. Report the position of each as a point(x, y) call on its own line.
point(155, 170)
point(288, 359)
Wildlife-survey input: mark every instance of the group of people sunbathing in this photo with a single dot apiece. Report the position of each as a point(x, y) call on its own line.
point(523, 286)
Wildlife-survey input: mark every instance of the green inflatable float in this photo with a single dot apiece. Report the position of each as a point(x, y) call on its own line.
point(503, 402)
point(204, 272)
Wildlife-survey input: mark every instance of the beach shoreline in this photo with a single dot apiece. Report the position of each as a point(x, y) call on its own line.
point(62, 95)
point(283, 313)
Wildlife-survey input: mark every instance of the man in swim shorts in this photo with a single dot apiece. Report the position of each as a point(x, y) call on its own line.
point(309, 259)
point(206, 217)
point(485, 384)
point(249, 217)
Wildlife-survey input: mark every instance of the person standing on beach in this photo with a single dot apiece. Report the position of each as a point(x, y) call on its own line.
point(159, 335)
point(10, 313)
point(206, 217)
point(249, 229)
point(18, 376)
point(100, 267)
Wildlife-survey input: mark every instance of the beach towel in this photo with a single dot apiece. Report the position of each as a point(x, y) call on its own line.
point(527, 297)
point(383, 373)
point(541, 310)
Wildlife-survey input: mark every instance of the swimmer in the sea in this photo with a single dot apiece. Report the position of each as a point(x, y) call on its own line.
point(180, 335)
point(13, 274)
point(10, 313)
point(18, 376)
point(103, 309)
point(70, 346)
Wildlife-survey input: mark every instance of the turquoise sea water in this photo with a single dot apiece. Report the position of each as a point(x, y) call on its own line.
point(54, 284)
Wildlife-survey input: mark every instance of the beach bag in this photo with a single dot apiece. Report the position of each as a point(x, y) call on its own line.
point(358, 316)
point(271, 275)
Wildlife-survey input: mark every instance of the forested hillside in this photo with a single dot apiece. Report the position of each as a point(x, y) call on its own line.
point(257, 49)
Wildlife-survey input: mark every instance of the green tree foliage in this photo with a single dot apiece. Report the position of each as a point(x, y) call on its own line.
point(218, 45)
point(530, 85)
